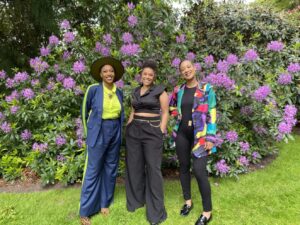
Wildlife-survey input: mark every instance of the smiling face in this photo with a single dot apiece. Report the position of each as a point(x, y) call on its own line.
point(147, 76)
point(107, 73)
point(187, 70)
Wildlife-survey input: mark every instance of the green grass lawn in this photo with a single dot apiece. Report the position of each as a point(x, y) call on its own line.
point(265, 197)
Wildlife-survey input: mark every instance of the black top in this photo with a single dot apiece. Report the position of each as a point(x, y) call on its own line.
point(148, 102)
point(187, 103)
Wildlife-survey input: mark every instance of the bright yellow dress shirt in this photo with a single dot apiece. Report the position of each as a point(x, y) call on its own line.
point(111, 103)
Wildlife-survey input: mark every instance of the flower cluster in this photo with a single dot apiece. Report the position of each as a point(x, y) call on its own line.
point(251, 55)
point(261, 93)
point(284, 79)
point(220, 80)
point(222, 167)
point(285, 126)
point(232, 136)
point(40, 147)
point(38, 65)
point(60, 140)
point(275, 46)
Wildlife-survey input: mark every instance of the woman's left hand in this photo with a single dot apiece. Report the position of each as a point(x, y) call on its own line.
point(162, 130)
point(208, 145)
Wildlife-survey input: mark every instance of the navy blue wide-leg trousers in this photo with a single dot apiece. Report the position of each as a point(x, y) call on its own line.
point(101, 169)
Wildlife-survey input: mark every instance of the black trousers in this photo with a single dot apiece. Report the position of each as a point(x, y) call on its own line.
point(184, 144)
point(144, 182)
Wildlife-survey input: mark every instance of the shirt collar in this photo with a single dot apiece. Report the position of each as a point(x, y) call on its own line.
point(114, 89)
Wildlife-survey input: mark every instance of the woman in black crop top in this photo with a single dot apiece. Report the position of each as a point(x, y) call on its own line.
point(144, 145)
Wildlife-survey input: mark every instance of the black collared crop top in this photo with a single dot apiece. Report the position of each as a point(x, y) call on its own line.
point(148, 102)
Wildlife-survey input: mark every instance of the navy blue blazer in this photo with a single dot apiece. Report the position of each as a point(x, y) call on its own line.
point(91, 112)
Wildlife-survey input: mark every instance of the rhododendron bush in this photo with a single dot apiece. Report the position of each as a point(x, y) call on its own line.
point(40, 122)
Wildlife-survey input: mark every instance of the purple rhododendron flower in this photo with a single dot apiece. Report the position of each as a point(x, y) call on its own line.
point(10, 83)
point(40, 147)
point(290, 110)
point(44, 51)
point(275, 46)
point(176, 62)
point(293, 67)
point(69, 83)
point(130, 5)
point(1, 116)
point(21, 77)
point(98, 47)
point(126, 63)
point(284, 79)
point(130, 49)
point(232, 136)
point(120, 83)
point(69, 37)
point(132, 20)
point(60, 140)
point(53, 40)
point(26, 135)
point(180, 38)
point(223, 66)
point(2, 75)
point(12, 96)
point(35, 82)
point(60, 77)
point(251, 55)
point(107, 39)
point(209, 60)
point(105, 51)
point(79, 67)
point(50, 85)
point(127, 38)
point(38, 65)
point(66, 55)
point(6, 127)
point(222, 167)
point(218, 140)
point(28, 93)
point(232, 59)
point(284, 128)
point(261, 93)
point(220, 80)
point(244, 161)
point(244, 146)
point(190, 56)
point(65, 24)
point(56, 68)
point(255, 155)
point(14, 109)
point(197, 66)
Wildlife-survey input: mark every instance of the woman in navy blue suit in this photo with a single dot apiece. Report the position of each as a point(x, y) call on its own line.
point(102, 115)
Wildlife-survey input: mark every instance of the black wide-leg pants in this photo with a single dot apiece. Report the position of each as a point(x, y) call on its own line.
point(144, 182)
point(184, 144)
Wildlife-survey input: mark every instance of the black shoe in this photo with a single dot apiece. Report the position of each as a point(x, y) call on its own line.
point(185, 210)
point(203, 220)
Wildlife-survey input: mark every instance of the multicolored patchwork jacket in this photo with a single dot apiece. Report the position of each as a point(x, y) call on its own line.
point(203, 114)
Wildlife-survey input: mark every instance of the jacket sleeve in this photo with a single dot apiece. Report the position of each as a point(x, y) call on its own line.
point(85, 108)
point(173, 103)
point(212, 116)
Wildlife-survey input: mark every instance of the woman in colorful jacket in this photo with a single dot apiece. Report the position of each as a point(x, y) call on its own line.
point(102, 115)
point(194, 106)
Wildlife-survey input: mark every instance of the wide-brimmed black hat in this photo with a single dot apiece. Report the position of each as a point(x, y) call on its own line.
point(99, 63)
